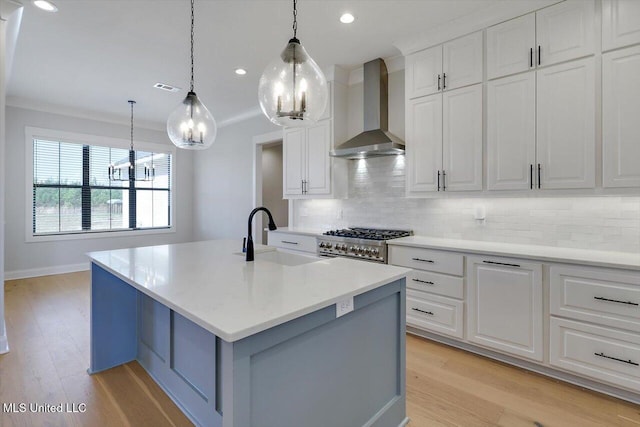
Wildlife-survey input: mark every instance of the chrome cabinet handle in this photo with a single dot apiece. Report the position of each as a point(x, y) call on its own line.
point(288, 243)
point(531, 176)
point(539, 173)
point(538, 54)
point(422, 311)
point(615, 300)
point(438, 180)
point(444, 80)
point(438, 81)
point(444, 181)
point(423, 260)
point(501, 263)
point(531, 58)
point(629, 362)
point(423, 281)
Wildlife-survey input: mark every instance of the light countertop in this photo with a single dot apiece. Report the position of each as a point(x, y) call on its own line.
point(626, 260)
point(211, 285)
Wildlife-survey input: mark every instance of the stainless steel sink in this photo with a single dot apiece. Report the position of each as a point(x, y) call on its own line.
point(282, 257)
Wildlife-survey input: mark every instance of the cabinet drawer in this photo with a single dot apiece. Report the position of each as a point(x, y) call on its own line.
point(427, 259)
point(296, 242)
point(435, 283)
point(601, 296)
point(597, 352)
point(434, 313)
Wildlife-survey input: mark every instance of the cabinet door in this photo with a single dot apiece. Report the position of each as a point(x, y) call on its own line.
point(422, 72)
point(511, 132)
point(565, 148)
point(293, 164)
point(510, 46)
point(505, 305)
point(462, 139)
point(318, 179)
point(620, 23)
point(462, 61)
point(565, 31)
point(620, 118)
point(424, 143)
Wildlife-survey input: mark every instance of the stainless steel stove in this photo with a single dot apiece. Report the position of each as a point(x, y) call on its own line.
point(369, 244)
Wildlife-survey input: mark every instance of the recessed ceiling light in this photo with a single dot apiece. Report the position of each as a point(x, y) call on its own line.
point(241, 71)
point(347, 18)
point(45, 5)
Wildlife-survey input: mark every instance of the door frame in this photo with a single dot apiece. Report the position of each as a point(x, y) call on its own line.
point(259, 142)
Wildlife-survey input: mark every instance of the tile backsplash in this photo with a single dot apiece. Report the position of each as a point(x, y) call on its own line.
point(377, 199)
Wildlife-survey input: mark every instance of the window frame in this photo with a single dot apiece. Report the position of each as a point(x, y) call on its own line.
point(32, 133)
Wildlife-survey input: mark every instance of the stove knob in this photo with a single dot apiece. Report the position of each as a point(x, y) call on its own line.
point(367, 251)
point(361, 249)
point(321, 244)
point(375, 252)
point(328, 245)
point(351, 249)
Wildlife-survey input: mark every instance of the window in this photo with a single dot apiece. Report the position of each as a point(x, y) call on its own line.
point(72, 192)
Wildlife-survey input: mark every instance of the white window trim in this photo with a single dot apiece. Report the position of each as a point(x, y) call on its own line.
point(32, 133)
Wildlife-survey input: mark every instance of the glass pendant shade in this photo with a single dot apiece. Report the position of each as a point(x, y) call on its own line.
point(191, 125)
point(293, 90)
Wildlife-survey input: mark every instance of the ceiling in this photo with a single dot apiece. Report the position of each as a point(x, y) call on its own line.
point(94, 55)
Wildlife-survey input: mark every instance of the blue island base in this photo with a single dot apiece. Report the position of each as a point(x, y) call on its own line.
point(317, 370)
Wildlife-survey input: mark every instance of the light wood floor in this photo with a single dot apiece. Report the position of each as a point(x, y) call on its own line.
point(47, 324)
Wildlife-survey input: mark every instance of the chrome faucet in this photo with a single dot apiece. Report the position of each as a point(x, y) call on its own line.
point(272, 226)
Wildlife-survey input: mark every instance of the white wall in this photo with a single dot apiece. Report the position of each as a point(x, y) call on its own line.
point(26, 259)
point(224, 180)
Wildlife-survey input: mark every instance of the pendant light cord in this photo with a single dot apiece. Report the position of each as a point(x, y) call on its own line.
point(295, 18)
point(132, 102)
point(192, 23)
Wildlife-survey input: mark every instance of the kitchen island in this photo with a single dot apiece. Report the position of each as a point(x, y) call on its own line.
point(286, 340)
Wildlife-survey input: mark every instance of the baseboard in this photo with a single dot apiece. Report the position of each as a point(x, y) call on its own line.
point(45, 271)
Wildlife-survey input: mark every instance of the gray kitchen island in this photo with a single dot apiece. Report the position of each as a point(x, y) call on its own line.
point(285, 340)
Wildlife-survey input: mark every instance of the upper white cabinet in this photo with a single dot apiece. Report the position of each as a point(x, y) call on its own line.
point(444, 141)
point(620, 23)
point(455, 64)
point(511, 132)
point(510, 46)
point(541, 129)
point(620, 118)
point(565, 148)
point(565, 31)
point(308, 170)
point(306, 161)
point(505, 305)
point(555, 34)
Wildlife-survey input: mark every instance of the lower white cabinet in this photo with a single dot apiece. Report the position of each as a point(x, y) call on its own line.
point(435, 313)
point(598, 352)
point(504, 309)
point(292, 241)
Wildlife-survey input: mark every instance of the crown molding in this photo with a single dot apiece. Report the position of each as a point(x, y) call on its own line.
point(34, 105)
point(492, 15)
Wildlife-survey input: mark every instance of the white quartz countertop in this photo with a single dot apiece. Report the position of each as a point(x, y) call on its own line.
point(211, 285)
point(296, 230)
point(626, 260)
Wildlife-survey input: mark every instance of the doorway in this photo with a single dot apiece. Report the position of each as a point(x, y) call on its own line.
point(272, 185)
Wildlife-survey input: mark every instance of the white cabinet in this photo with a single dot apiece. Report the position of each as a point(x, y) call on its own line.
point(555, 34)
point(435, 288)
point(292, 241)
point(620, 23)
point(505, 305)
point(455, 64)
point(308, 169)
point(620, 117)
point(510, 46)
point(541, 134)
point(511, 132)
point(565, 148)
point(444, 141)
point(565, 31)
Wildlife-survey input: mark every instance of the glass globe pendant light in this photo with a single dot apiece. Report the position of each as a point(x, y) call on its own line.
point(191, 125)
point(293, 90)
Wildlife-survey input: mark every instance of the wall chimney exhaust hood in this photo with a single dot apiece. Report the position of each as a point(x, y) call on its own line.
point(376, 140)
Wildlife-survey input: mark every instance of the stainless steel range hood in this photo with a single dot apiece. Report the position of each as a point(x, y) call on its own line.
point(376, 140)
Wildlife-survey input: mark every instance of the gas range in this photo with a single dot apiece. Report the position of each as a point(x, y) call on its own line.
point(369, 244)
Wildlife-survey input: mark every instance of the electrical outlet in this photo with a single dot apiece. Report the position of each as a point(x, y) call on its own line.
point(344, 306)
